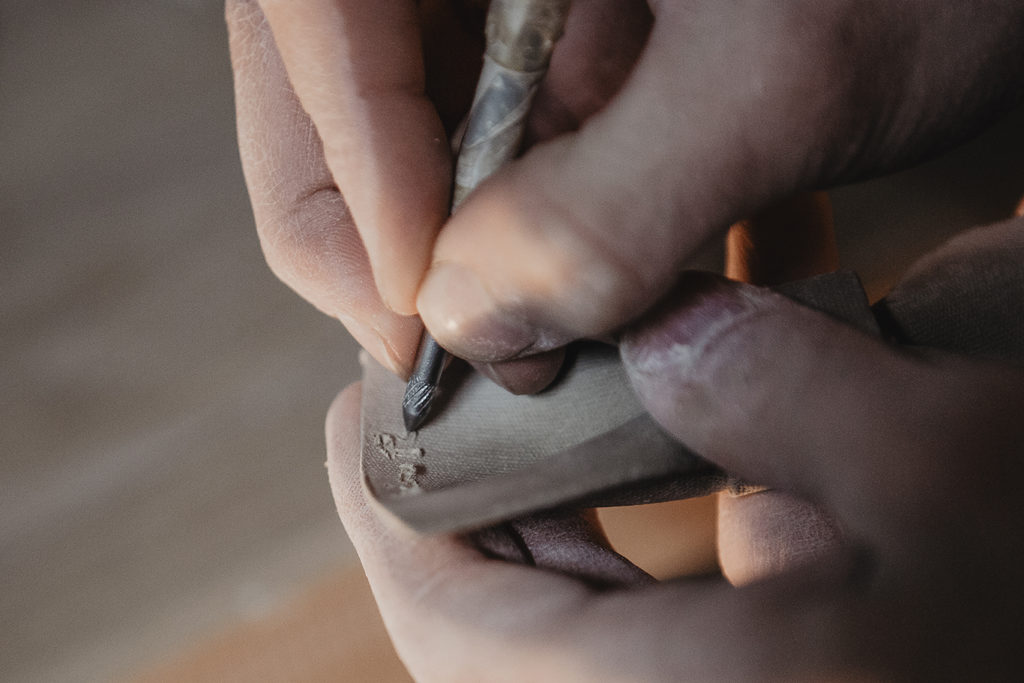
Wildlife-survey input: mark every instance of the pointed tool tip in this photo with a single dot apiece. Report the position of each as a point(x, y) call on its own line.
point(416, 405)
point(412, 420)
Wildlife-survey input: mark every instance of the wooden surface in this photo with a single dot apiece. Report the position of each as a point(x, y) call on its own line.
point(329, 632)
point(163, 501)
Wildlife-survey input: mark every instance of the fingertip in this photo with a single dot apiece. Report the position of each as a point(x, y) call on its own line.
point(465, 317)
point(394, 348)
point(669, 340)
point(765, 533)
point(514, 274)
point(396, 293)
point(529, 375)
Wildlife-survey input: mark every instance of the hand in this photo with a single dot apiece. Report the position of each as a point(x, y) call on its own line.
point(916, 458)
point(731, 106)
point(347, 161)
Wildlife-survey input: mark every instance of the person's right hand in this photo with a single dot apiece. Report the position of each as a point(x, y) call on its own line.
point(344, 107)
point(731, 106)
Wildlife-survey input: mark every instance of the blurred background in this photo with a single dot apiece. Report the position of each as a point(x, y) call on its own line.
point(164, 508)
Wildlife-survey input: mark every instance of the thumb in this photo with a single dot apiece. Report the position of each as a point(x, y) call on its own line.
point(587, 231)
point(784, 396)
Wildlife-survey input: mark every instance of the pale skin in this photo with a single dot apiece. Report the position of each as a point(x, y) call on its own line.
point(659, 126)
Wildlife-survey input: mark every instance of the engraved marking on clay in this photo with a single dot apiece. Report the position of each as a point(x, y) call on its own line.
point(417, 395)
point(407, 473)
point(395, 449)
point(408, 458)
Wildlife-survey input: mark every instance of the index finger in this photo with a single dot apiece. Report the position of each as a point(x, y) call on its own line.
point(358, 70)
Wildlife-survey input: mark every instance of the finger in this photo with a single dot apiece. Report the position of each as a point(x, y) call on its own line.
point(528, 375)
point(587, 231)
point(764, 532)
point(455, 615)
point(358, 70)
point(306, 232)
point(567, 541)
point(783, 396)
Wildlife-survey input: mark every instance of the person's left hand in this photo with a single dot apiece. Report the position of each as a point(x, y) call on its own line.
point(916, 459)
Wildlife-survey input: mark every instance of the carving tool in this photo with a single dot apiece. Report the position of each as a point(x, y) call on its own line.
point(521, 35)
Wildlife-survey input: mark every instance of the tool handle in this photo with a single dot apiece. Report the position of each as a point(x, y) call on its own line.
point(520, 39)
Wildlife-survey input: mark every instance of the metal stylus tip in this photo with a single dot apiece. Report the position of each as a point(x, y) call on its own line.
point(416, 404)
point(520, 38)
point(422, 387)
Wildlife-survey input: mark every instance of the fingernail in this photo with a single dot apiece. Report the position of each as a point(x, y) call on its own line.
point(374, 343)
point(389, 296)
point(463, 316)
